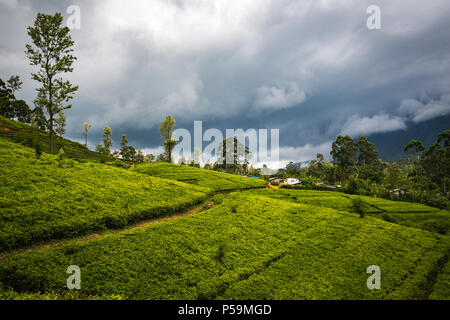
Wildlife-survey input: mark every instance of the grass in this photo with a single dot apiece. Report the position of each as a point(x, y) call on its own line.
point(40, 200)
point(247, 247)
point(201, 177)
point(26, 135)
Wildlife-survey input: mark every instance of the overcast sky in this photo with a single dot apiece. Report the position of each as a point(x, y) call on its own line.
point(309, 68)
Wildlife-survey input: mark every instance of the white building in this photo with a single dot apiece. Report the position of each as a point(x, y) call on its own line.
point(291, 181)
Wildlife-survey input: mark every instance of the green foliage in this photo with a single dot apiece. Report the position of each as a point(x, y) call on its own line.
point(61, 156)
point(218, 198)
point(86, 127)
point(343, 151)
point(268, 249)
point(37, 148)
point(206, 178)
point(441, 289)
point(105, 149)
point(352, 186)
point(166, 129)
point(40, 200)
point(232, 156)
point(24, 134)
point(120, 164)
point(358, 206)
point(408, 214)
point(51, 51)
point(128, 153)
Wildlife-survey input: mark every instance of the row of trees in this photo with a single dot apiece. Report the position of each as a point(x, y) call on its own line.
point(424, 176)
point(126, 152)
point(430, 168)
point(356, 158)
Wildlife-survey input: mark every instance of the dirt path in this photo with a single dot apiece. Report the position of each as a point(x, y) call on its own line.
point(204, 206)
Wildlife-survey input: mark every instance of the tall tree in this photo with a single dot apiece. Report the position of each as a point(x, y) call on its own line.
point(21, 111)
point(107, 142)
point(86, 127)
point(436, 162)
point(52, 52)
point(343, 151)
point(139, 156)
point(231, 153)
point(415, 148)
point(128, 153)
point(166, 129)
point(369, 166)
point(445, 137)
point(149, 158)
point(367, 152)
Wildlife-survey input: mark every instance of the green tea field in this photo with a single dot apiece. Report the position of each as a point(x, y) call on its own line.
point(249, 242)
point(39, 200)
point(246, 247)
point(205, 178)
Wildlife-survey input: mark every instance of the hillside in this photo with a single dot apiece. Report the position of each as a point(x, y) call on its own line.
point(408, 214)
point(246, 247)
point(206, 178)
point(29, 136)
point(251, 244)
point(40, 200)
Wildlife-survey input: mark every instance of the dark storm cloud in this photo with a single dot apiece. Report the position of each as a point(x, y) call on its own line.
point(310, 68)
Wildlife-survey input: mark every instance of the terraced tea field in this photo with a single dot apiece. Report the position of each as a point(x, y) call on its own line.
point(252, 243)
point(40, 200)
point(247, 247)
point(205, 178)
point(18, 132)
point(409, 214)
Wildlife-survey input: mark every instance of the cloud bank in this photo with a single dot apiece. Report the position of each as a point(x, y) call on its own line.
point(309, 68)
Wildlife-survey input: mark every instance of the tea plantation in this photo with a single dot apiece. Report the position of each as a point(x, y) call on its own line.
point(201, 177)
point(39, 200)
point(409, 214)
point(247, 243)
point(247, 247)
point(29, 136)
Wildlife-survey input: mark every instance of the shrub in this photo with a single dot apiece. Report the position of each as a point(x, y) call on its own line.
point(358, 206)
point(61, 155)
point(351, 186)
point(120, 164)
point(218, 198)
